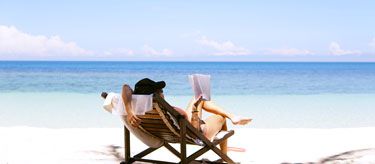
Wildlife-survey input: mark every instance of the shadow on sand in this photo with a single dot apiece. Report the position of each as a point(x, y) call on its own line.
point(112, 150)
point(355, 156)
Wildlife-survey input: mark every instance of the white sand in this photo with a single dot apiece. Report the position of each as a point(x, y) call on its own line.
point(42, 145)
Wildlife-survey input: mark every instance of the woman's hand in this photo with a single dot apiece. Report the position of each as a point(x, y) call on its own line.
point(198, 101)
point(133, 119)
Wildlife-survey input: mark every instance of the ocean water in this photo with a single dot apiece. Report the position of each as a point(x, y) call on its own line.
point(275, 95)
point(227, 78)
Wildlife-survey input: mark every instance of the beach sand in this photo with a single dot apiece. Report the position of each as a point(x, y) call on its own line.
point(105, 145)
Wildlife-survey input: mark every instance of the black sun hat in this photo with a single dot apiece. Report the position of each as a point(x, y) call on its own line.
point(148, 86)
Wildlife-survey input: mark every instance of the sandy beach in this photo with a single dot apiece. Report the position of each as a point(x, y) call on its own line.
point(78, 131)
point(105, 145)
point(302, 71)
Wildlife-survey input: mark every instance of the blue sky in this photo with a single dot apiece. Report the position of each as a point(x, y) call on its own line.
point(188, 30)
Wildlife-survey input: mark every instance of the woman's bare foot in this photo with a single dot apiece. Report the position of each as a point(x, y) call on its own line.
point(238, 120)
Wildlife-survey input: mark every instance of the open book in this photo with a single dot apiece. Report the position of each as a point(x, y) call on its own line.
point(201, 85)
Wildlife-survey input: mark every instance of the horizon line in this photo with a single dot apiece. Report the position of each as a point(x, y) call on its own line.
point(191, 61)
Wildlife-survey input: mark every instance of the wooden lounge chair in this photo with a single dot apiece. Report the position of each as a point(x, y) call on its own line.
point(166, 123)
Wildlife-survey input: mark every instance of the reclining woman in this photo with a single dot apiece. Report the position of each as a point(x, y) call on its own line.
point(210, 126)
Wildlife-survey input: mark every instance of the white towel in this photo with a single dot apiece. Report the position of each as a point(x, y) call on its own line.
point(115, 105)
point(141, 104)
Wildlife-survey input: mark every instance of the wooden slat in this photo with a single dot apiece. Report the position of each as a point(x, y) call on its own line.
point(166, 133)
point(149, 116)
point(171, 140)
point(152, 112)
point(156, 129)
point(166, 120)
point(168, 136)
point(152, 121)
point(159, 126)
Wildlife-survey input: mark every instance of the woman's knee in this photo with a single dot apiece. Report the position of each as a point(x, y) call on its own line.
point(214, 124)
point(223, 119)
point(220, 119)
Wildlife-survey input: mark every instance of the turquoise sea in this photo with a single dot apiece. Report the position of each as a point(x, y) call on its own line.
point(277, 95)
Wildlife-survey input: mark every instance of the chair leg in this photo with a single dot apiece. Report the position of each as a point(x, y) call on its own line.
point(127, 145)
point(183, 141)
point(172, 150)
point(145, 152)
point(198, 153)
point(222, 155)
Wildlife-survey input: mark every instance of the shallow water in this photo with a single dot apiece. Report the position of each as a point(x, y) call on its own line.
point(70, 110)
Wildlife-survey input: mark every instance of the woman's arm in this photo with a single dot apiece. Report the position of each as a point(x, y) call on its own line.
point(126, 95)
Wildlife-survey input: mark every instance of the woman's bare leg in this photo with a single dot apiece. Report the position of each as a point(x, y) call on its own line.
point(190, 108)
point(211, 107)
point(224, 144)
point(215, 124)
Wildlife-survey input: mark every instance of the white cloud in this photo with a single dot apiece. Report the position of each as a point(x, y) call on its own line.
point(17, 43)
point(372, 43)
point(148, 50)
point(290, 51)
point(223, 48)
point(335, 49)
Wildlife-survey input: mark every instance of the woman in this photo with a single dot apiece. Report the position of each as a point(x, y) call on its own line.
point(211, 125)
